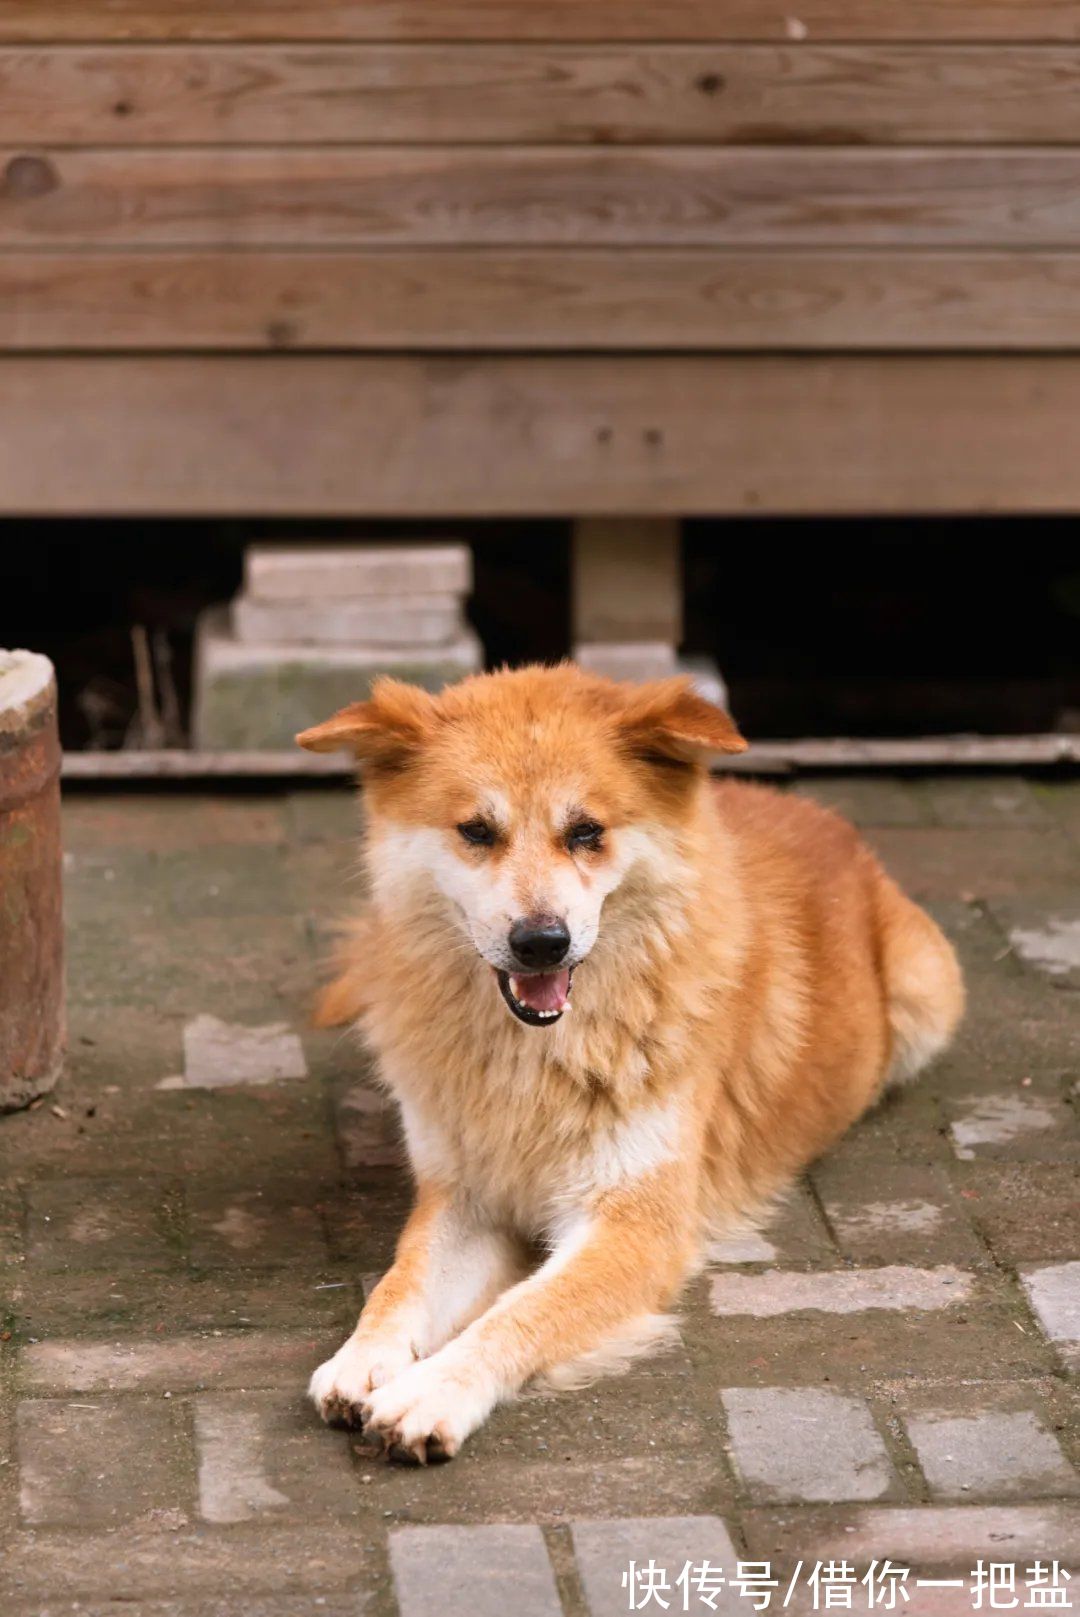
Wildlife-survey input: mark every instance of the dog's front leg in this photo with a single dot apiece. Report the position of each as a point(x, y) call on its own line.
point(447, 1269)
point(622, 1258)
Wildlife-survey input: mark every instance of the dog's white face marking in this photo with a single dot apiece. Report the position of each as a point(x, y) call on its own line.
point(534, 875)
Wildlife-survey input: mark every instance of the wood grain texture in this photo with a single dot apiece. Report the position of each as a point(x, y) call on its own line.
point(545, 300)
point(1013, 20)
point(531, 436)
point(542, 196)
point(749, 94)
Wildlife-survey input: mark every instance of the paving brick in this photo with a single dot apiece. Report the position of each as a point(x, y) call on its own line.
point(994, 800)
point(950, 1537)
point(328, 812)
point(98, 1465)
point(802, 1444)
point(983, 863)
point(994, 1452)
point(218, 1054)
point(158, 1564)
point(868, 799)
point(1046, 937)
point(155, 823)
point(132, 1305)
point(368, 1129)
point(1026, 1212)
point(263, 1359)
point(842, 1292)
point(231, 967)
point(1061, 799)
point(765, 1346)
point(230, 1226)
point(342, 572)
point(605, 1551)
point(103, 1224)
point(473, 1571)
point(266, 1455)
point(903, 1212)
point(1054, 1294)
point(1033, 1124)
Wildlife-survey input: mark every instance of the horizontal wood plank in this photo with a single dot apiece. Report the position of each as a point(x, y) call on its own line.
point(538, 436)
point(750, 94)
point(547, 300)
point(541, 196)
point(1014, 20)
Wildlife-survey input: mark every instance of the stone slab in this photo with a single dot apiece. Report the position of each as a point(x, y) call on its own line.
point(931, 1536)
point(482, 1571)
point(996, 1453)
point(806, 1445)
point(264, 1456)
point(1054, 1294)
point(378, 620)
point(356, 571)
point(262, 696)
point(840, 1292)
point(216, 1359)
point(97, 1465)
point(606, 1551)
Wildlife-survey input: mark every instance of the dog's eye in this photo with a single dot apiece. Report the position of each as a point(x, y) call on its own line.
point(585, 834)
point(477, 832)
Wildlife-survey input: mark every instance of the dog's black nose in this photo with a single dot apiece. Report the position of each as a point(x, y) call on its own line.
point(540, 942)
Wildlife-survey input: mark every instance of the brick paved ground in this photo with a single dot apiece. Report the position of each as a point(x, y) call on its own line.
point(888, 1370)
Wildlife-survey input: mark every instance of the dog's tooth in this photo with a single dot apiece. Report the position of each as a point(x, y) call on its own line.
point(515, 988)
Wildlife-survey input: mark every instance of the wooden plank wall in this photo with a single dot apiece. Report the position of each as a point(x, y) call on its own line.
point(734, 181)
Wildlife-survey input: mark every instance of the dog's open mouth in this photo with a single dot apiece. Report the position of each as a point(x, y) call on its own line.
point(537, 998)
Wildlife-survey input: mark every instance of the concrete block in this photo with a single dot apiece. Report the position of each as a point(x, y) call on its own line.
point(377, 620)
point(804, 1445)
point(999, 1453)
point(609, 1552)
point(632, 660)
point(356, 571)
point(1054, 1295)
point(260, 696)
point(97, 1465)
point(473, 1571)
point(261, 1457)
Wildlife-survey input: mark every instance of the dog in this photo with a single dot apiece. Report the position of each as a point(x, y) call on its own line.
point(619, 1005)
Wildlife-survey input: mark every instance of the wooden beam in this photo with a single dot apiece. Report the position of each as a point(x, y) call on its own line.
point(663, 436)
point(554, 299)
point(542, 196)
point(842, 753)
point(128, 95)
point(46, 21)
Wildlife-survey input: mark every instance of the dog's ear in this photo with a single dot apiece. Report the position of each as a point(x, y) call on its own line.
point(668, 722)
point(386, 730)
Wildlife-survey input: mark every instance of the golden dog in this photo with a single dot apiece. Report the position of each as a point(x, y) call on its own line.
point(619, 1007)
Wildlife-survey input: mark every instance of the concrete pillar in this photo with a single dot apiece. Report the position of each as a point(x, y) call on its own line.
point(627, 596)
point(31, 915)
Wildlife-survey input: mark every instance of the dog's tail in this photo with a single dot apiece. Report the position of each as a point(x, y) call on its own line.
point(923, 983)
point(344, 1000)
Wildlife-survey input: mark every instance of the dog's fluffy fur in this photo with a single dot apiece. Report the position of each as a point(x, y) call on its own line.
point(748, 980)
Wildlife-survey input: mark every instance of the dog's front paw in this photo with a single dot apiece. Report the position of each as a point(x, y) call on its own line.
point(426, 1412)
point(340, 1387)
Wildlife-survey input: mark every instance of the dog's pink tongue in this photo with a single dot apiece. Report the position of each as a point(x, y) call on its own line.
point(544, 991)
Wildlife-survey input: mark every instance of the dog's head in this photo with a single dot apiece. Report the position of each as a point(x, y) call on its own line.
point(524, 801)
